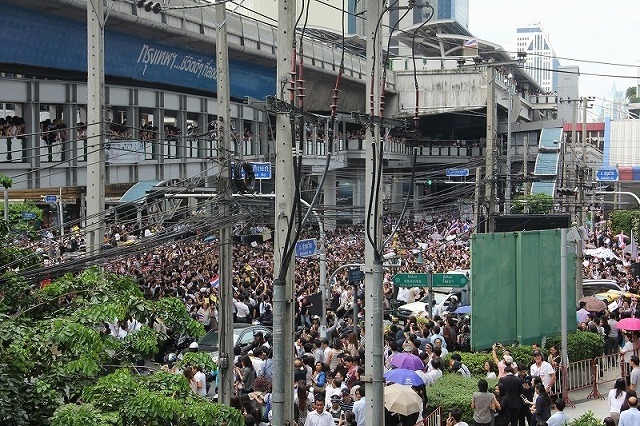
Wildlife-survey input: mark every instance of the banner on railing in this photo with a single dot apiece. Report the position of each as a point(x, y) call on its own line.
point(124, 152)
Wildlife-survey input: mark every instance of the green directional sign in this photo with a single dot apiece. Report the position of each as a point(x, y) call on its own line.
point(411, 280)
point(450, 280)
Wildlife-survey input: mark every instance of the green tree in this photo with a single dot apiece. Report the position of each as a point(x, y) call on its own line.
point(538, 203)
point(57, 367)
point(632, 94)
point(625, 220)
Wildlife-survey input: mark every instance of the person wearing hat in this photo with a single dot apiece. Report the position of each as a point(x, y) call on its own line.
point(334, 408)
point(544, 370)
point(507, 359)
point(347, 400)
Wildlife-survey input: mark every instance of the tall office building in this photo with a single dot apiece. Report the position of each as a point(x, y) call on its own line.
point(541, 62)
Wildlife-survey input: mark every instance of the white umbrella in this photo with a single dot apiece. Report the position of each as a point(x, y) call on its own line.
point(402, 399)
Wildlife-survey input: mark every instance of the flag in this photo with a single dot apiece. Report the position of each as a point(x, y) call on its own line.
point(634, 247)
point(471, 43)
point(215, 281)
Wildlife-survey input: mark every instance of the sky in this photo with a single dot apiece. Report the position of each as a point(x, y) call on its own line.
point(583, 30)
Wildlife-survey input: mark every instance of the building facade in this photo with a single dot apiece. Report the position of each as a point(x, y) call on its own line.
point(541, 60)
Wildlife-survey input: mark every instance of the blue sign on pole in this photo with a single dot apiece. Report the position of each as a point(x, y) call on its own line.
point(28, 215)
point(457, 172)
point(50, 198)
point(262, 170)
point(306, 248)
point(355, 275)
point(607, 175)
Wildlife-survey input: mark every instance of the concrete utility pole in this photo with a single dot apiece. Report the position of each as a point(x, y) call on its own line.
point(95, 125)
point(476, 199)
point(374, 380)
point(283, 292)
point(489, 173)
point(507, 192)
point(225, 261)
point(525, 171)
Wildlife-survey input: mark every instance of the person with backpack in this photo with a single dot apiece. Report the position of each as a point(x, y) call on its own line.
point(456, 366)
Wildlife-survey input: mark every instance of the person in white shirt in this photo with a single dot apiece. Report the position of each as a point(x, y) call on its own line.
point(544, 370)
point(242, 310)
point(630, 417)
point(403, 294)
point(359, 407)
point(319, 417)
point(559, 418)
point(201, 381)
point(616, 398)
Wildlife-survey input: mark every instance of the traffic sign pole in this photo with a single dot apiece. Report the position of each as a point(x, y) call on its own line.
point(431, 296)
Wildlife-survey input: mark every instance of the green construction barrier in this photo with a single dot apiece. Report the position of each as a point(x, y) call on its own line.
point(515, 287)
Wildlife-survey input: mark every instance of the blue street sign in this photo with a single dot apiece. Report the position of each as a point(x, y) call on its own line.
point(50, 198)
point(262, 170)
point(28, 215)
point(355, 275)
point(607, 175)
point(306, 248)
point(457, 172)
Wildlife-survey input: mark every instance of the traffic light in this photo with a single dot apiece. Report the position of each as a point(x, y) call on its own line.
point(567, 191)
point(149, 6)
point(428, 182)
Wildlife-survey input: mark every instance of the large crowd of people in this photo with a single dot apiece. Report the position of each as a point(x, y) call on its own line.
point(328, 367)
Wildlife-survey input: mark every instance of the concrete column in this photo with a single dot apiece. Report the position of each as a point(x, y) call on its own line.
point(329, 190)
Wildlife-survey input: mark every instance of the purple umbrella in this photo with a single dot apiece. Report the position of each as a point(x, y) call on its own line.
point(407, 360)
point(402, 376)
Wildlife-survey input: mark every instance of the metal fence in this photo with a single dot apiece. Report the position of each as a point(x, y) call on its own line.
point(433, 419)
point(589, 373)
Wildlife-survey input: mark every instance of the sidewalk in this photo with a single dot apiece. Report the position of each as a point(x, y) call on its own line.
point(598, 406)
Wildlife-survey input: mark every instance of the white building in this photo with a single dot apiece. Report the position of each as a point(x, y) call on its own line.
point(541, 61)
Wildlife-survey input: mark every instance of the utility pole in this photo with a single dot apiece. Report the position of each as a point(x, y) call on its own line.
point(476, 201)
point(225, 262)
point(95, 125)
point(525, 172)
point(507, 192)
point(489, 173)
point(374, 380)
point(283, 292)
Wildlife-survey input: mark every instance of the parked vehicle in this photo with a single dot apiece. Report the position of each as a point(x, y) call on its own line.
point(441, 303)
point(242, 336)
point(443, 299)
point(593, 287)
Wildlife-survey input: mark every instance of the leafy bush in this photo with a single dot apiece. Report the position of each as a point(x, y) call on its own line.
point(587, 419)
point(454, 391)
point(580, 345)
point(474, 361)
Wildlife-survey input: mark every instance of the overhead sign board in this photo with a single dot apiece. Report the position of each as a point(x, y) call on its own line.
point(411, 280)
point(306, 248)
point(607, 175)
point(450, 280)
point(50, 198)
point(457, 172)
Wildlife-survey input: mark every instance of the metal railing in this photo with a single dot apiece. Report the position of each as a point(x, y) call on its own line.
point(433, 419)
